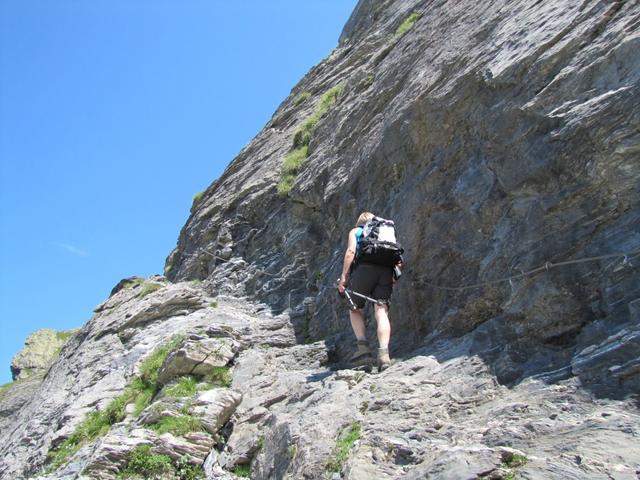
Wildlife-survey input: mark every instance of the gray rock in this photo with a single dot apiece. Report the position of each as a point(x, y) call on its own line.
point(499, 136)
point(40, 350)
point(197, 356)
point(215, 407)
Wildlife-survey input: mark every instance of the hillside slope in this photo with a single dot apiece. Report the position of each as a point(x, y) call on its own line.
point(503, 138)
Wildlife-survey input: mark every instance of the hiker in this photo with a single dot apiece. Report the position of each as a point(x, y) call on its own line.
point(370, 276)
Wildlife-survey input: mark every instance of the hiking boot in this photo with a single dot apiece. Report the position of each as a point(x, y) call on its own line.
point(383, 359)
point(362, 356)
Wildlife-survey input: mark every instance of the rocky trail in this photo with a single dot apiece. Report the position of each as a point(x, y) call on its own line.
point(436, 413)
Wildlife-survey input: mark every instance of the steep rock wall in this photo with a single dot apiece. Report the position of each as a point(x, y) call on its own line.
point(500, 136)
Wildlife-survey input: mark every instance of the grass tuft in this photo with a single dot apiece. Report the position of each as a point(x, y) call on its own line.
point(178, 426)
point(243, 471)
point(148, 288)
point(346, 441)
point(514, 461)
point(143, 462)
point(406, 25)
point(220, 377)
point(290, 168)
point(302, 138)
point(301, 98)
point(140, 392)
point(186, 387)
point(151, 365)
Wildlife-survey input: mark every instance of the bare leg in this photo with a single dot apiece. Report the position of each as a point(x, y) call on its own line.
point(384, 327)
point(357, 323)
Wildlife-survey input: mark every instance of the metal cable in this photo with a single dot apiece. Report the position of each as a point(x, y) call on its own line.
point(546, 267)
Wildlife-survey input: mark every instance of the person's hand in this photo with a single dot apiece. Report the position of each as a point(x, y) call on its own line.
point(342, 285)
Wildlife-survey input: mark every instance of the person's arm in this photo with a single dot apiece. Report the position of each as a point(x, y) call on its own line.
point(349, 255)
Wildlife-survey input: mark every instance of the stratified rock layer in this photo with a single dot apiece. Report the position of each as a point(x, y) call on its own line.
point(501, 136)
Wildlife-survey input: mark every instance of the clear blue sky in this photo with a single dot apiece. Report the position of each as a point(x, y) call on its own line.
point(113, 114)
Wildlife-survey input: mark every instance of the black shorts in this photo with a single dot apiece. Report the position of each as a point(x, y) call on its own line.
point(374, 281)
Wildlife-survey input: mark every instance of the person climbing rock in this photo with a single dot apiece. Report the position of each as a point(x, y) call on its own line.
point(371, 262)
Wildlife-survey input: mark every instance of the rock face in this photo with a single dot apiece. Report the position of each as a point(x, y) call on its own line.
point(40, 349)
point(500, 137)
point(503, 139)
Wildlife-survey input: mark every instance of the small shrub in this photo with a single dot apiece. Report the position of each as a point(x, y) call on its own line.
point(301, 98)
point(243, 471)
point(406, 25)
point(178, 426)
point(148, 288)
point(213, 304)
point(186, 470)
point(143, 462)
point(186, 387)
point(514, 461)
point(346, 441)
point(220, 377)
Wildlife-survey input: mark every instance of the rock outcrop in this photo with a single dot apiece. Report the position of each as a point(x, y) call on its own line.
point(500, 137)
point(503, 139)
point(40, 350)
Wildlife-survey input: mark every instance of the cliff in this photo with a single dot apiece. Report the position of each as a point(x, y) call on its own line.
point(503, 139)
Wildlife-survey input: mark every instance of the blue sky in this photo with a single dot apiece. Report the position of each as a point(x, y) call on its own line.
point(113, 114)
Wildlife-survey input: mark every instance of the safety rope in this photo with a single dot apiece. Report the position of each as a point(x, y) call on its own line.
point(421, 280)
point(546, 267)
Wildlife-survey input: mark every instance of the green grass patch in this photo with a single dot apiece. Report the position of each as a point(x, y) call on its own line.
point(219, 377)
point(186, 387)
point(140, 392)
point(243, 471)
point(178, 426)
point(213, 304)
point(142, 462)
point(302, 138)
point(197, 197)
point(134, 282)
point(65, 335)
point(148, 288)
point(94, 425)
point(151, 365)
point(291, 451)
point(5, 388)
point(290, 168)
point(301, 98)
point(514, 461)
point(346, 441)
point(406, 25)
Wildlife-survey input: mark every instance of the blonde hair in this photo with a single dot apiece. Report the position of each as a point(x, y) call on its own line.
point(364, 218)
